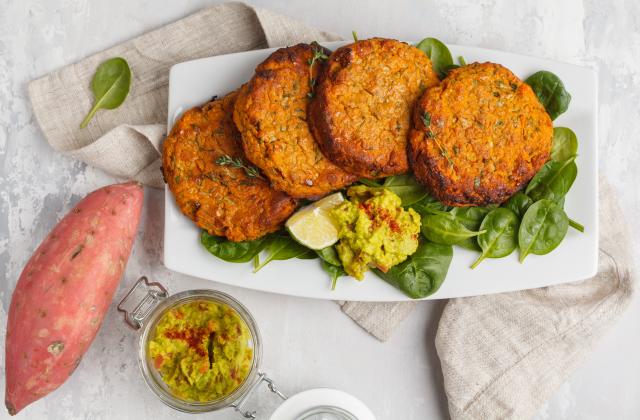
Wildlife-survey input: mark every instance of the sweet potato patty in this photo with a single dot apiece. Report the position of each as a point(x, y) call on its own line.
point(361, 112)
point(222, 199)
point(479, 136)
point(271, 114)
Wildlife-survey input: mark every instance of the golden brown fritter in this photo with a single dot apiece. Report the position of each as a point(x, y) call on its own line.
point(479, 136)
point(222, 199)
point(271, 114)
point(361, 112)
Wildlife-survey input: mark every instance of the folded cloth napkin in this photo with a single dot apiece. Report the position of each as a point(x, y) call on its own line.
point(502, 355)
point(126, 141)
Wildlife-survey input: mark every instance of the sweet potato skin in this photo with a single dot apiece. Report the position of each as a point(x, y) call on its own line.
point(65, 290)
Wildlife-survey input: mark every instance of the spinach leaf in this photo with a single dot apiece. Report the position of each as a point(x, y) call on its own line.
point(519, 203)
point(331, 264)
point(576, 225)
point(565, 144)
point(572, 223)
point(422, 273)
point(406, 187)
point(438, 53)
point(309, 255)
point(369, 183)
point(237, 252)
point(550, 91)
point(543, 227)
point(501, 234)
point(553, 181)
point(471, 218)
point(429, 205)
point(445, 229)
point(110, 86)
point(330, 255)
point(334, 272)
point(282, 247)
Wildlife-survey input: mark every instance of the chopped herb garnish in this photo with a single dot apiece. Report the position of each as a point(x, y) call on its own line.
point(251, 171)
point(476, 182)
point(443, 152)
point(426, 119)
point(318, 54)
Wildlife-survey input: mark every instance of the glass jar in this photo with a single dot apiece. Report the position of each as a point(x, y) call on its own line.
point(146, 304)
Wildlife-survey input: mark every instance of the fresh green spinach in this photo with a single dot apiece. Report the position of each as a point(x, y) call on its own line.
point(429, 205)
point(369, 183)
point(110, 86)
point(330, 255)
point(550, 91)
point(519, 203)
point(553, 180)
point(236, 252)
point(334, 272)
point(282, 247)
point(422, 273)
point(309, 255)
point(331, 264)
point(501, 234)
point(439, 55)
point(565, 144)
point(471, 218)
point(542, 228)
point(572, 223)
point(445, 229)
point(406, 187)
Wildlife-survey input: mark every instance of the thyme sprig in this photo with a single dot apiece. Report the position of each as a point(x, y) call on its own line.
point(426, 120)
point(251, 171)
point(318, 55)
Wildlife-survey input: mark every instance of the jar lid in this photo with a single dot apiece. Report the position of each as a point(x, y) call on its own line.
point(322, 404)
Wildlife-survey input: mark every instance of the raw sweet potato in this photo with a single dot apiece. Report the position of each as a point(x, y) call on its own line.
point(65, 290)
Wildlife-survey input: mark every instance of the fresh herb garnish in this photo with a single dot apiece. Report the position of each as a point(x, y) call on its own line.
point(251, 171)
point(426, 120)
point(110, 86)
point(318, 55)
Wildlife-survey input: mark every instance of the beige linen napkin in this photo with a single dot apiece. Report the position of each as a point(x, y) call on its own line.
point(502, 355)
point(126, 141)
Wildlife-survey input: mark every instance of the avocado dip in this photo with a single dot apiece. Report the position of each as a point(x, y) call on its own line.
point(202, 350)
point(374, 230)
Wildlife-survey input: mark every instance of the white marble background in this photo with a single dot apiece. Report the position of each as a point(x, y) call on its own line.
point(307, 343)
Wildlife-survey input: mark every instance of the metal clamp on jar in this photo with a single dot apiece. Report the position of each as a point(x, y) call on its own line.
point(148, 308)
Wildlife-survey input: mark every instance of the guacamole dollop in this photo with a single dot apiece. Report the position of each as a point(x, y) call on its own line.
point(202, 350)
point(374, 230)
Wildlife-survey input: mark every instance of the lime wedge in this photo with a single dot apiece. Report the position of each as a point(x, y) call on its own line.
point(313, 225)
